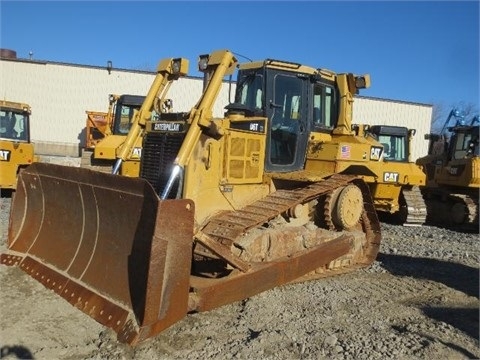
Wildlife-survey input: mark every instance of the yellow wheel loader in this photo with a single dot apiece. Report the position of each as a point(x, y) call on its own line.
point(224, 208)
point(16, 150)
point(116, 121)
point(453, 173)
point(105, 133)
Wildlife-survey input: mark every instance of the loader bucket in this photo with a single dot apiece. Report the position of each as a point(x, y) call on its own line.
point(105, 243)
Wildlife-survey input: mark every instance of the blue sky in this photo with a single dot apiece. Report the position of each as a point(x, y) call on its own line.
point(425, 52)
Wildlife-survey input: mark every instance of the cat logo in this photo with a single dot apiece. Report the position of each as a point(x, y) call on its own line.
point(452, 170)
point(390, 177)
point(4, 155)
point(376, 152)
point(136, 153)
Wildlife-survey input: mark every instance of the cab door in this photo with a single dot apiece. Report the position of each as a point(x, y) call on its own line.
point(286, 107)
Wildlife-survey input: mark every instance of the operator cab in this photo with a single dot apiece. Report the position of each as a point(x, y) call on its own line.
point(464, 142)
point(14, 124)
point(295, 103)
point(395, 140)
point(124, 111)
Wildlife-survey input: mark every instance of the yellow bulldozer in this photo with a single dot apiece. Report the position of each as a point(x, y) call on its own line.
point(16, 150)
point(395, 180)
point(224, 208)
point(453, 173)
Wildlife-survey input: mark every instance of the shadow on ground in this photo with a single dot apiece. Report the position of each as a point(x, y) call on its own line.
point(456, 276)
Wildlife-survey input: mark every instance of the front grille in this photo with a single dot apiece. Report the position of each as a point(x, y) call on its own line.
point(158, 154)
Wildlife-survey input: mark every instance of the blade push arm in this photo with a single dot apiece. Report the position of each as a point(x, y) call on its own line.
point(216, 65)
point(168, 70)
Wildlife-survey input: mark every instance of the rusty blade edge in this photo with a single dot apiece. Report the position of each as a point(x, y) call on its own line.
point(101, 309)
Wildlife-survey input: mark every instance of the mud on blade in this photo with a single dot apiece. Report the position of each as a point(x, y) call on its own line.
point(106, 244)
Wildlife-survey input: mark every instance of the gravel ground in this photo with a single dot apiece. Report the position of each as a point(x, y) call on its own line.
point(419, 300)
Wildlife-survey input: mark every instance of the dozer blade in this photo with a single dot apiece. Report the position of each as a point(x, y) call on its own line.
point(106, 244)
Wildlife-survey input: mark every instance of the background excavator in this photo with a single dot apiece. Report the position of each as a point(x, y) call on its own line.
point(16, 150)
point(453, 173)
point(224, 208)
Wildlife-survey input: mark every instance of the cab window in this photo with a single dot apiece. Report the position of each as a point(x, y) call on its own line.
point(465, 145)
point(13, 125)
point(286, 120)
point(394, 147)
point(250, 91)
point(323, 107)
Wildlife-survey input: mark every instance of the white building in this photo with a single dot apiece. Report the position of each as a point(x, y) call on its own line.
point(61, 93)
point(375, 111)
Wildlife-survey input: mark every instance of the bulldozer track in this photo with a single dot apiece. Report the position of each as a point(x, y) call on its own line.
point(443, 202)
point(416, 207)
point(229, 226)
point(226, 227)
point(472, 207)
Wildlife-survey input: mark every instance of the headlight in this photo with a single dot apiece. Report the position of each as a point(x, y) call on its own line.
point(203, 62)
point(176, 66)
point(179, 66)
point(362, 82)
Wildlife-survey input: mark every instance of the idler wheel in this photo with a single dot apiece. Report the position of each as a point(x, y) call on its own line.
point(348, 207)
